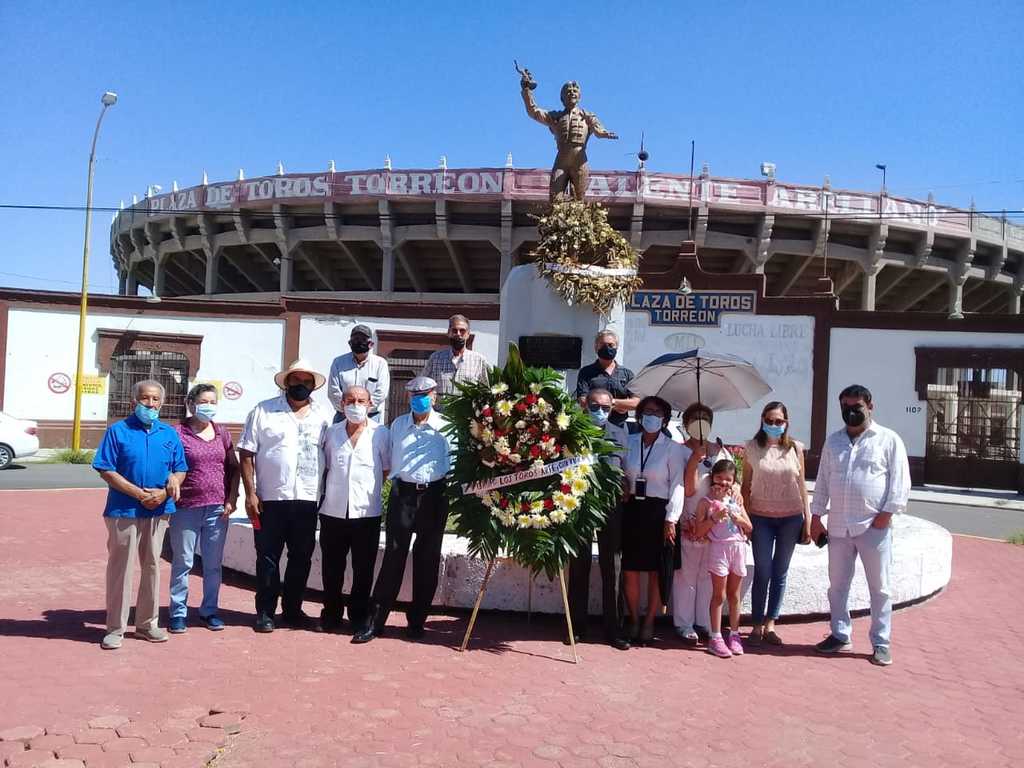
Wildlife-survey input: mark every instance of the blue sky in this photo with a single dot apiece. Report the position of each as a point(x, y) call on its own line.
point(932, 89)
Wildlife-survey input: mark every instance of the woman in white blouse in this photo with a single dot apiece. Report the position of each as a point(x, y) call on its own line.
point(356, 454)
point(654, 475)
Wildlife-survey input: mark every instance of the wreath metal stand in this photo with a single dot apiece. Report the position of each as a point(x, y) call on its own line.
point(480, 599)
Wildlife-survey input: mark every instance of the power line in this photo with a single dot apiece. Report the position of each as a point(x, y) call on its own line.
point(52, 280)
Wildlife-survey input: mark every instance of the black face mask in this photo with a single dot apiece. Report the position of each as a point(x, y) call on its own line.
point(457, 342)
point(854, 416)
point(299, 392)
point(359, 346)
point(606, 352)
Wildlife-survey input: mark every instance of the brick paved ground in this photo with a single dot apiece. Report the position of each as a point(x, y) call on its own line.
point(955, 696)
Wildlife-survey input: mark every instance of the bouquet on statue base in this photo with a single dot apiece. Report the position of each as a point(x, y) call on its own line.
point(528, 478)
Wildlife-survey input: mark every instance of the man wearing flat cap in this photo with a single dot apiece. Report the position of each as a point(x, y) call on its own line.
point(360, 368)
point(281, 471)
point(420, 460)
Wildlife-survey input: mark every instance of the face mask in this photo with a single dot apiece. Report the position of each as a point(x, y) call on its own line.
point(299, 392)
point(598, 415)
point(651, 423)
point(205, 411)
point(457, 342)
point(420, 404)
point(355, 413)
point(146, 414)
point(359, 346)
point(774, 431)
point(607, 352)
point(699, 428)
point(854, 416)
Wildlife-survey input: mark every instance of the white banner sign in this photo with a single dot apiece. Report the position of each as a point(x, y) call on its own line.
point(480, 487)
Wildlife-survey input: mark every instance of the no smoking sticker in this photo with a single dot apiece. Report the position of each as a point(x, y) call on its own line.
point(58, 383)
point(232, 390)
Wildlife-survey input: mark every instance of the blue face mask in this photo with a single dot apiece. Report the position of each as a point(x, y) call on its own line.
point(146, 415)
point(598, 415)
point(774, 431)
point(206, 411)
point(652, 423)
point(420, 404)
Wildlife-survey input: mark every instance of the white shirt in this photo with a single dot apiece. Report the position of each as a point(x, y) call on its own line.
point(287, 449)
point(420, 453)
point(354, 474)
point(858, 479)
point(688, 508)
point(663, 464)
point(373, 374)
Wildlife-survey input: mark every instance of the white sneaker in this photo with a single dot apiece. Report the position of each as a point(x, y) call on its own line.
point(111, 641)
point(687, 634)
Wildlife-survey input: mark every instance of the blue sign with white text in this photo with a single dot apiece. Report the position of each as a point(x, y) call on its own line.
point(696, 308)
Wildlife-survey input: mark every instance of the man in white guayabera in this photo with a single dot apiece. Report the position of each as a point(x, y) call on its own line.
point(863, 480)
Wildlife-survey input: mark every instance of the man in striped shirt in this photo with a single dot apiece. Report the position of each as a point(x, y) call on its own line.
point(863, 480)
point(456, 363)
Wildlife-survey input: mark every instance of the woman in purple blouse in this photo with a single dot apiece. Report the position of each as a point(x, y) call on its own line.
point(208, 497)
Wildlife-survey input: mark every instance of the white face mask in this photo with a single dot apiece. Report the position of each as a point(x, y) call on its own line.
point(699, 429)
point(651, 423)
point(355, 413)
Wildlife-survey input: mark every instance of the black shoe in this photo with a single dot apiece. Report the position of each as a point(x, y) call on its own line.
point(619, 643)
point(702, 634)
point(264, 624)
point(366, 635)
point(298, 620)
point(327, 626)
point(415, 631)
point(833, 644)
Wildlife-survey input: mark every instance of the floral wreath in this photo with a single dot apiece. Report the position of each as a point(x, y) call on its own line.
point(527, 477)
point(584, 258)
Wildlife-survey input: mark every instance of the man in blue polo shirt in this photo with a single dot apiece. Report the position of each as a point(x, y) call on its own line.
point(143, 462)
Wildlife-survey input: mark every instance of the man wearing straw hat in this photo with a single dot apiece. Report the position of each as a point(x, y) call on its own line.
point(281, 471)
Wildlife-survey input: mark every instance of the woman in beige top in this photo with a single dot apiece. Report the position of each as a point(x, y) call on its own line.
point(775, 494)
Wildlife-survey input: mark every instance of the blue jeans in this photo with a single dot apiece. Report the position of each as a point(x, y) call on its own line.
point(874, 547)
point(774, 539)
point(207, 526)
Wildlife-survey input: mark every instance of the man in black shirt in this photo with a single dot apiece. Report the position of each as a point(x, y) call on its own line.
point(603, 373)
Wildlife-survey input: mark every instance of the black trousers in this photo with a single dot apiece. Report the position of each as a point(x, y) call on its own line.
point(338, 537)
point(410, 511)
point(291, 523)
point(609, 539)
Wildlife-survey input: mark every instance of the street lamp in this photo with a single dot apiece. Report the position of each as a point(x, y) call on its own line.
point(882, 167)
point(108, 99)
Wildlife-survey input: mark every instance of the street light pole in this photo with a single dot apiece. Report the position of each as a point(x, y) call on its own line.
point(108, 100)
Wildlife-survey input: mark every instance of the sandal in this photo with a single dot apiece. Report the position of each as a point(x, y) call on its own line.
point(756, 636)
point(771, 638)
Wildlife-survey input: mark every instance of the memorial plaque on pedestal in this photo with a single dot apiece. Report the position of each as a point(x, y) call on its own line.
point(563, 353)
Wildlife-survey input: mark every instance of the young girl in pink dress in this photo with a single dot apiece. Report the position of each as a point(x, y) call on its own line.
point(721, 517)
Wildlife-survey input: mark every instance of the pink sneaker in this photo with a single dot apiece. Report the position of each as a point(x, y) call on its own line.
point(717, 646)
point(734, 644)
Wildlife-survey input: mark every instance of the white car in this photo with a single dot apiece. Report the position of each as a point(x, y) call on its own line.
point(18, 438)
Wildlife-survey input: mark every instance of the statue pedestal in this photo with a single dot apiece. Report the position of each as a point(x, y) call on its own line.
point(530, 307)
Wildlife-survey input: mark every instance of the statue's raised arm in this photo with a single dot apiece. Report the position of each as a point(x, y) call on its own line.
point(527, 85)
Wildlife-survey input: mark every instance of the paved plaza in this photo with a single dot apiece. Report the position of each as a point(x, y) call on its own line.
point(954, 697)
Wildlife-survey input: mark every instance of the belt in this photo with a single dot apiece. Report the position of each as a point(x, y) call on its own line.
point(419, 486)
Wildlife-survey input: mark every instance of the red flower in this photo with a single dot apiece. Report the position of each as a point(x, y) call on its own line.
point(500, 433)
point(549, 504)
point(545, 438)
point(503, 503)
point(535, 451)
point(525, 506)
point(533, 429)
point(521, 406)
point(566, 488)
point(531, 399)
point(486, 411)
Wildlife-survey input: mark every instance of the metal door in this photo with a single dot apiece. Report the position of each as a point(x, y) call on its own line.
point(168, 368)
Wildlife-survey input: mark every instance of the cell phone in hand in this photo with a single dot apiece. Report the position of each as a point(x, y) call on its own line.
point(822, 540)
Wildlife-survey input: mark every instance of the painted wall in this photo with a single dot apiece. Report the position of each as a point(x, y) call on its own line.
point(323, 337)
point(780, 347)
point(43, 342)
point(884, 362)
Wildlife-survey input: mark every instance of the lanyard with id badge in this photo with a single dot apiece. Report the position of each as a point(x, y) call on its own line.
point(640, 483)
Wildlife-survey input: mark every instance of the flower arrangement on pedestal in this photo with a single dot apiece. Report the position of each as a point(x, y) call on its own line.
point(527, 477)
point(584, 258)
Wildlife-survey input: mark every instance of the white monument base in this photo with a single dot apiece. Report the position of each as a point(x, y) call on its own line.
point(921, 566)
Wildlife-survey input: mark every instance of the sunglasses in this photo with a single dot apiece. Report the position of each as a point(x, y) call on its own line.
point(596, 408)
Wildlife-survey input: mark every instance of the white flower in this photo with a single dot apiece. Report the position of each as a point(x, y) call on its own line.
point(523, 521)
point(501, 446)
point(579, 486)
point(535, 388)
point(543, 406)
point(571, 503)
point(520, 424)
point(546, 425)
point(537, 507)
point(538, 464)
point(504, 407)
point(562, 420)
point(557, 516)
point(569, 474)
point(499, 388)
point(515, 458)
